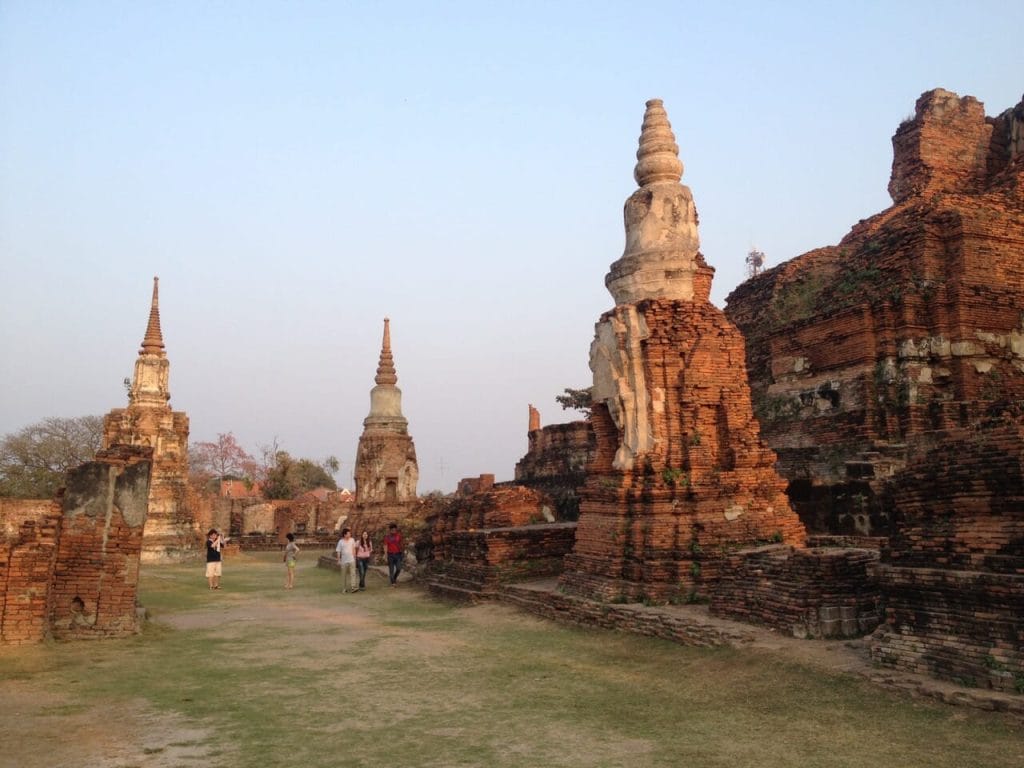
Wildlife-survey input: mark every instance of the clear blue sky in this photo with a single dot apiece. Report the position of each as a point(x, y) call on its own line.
point(296, 171)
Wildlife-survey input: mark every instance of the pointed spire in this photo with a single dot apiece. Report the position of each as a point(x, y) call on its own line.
point(386, 367)
point(658, 155)
point(662, 252)
point(153, 342)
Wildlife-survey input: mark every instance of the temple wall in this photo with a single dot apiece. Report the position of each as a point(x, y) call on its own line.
point(953, 573)
point(862, 356)
point(556, 463)
point(70, 566)
point(28, 548)
point(806, 593)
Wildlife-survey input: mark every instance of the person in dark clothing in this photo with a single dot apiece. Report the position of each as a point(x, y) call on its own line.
point(214, 545)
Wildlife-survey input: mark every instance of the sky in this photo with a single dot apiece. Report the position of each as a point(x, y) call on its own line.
point(294, 172)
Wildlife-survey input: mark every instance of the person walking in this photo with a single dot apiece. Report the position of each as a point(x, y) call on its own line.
point(345, 554)
point(394, 546)
point(364, 551)
point(214, 545)
point(291, 554)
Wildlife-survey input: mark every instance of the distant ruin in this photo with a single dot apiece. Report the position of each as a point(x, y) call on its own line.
point(386, 471)
point(556, 461)
point(171, 532)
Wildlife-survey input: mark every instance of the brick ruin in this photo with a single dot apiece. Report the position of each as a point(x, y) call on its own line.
point(864, 354)
point(69, 567)
point(680, 476)
point(171, 532)
point(819, 593)
point(556, 461)
point(263, 524)
point(487, 535)
point(386, 471)
point(953, 572)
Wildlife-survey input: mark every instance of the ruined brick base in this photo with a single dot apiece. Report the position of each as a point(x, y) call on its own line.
point(809, 593)
point(959, 625)
point(477, 561)
point(69, 568)
point(686, 625)
point(680, 474)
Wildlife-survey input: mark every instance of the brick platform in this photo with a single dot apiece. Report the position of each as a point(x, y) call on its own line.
point(806, 593)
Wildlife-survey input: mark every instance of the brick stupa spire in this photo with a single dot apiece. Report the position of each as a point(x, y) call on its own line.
point(661, 259)
point(386, 469)
point(170, 530)
point(152, 368)
point(679, 474)
point(153, 341)
point(386, 367)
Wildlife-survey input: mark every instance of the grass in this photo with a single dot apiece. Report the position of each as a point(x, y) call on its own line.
point(256, 676)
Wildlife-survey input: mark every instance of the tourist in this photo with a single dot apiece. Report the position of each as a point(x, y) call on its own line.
point(214, 545)
point(364, 550)
point(291, 553)
point(345, 554)
point(394, 547)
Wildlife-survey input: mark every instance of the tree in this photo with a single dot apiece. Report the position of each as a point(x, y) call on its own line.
point(289, 477)
point(220, 460)
point(34, 460)
point(577, 399)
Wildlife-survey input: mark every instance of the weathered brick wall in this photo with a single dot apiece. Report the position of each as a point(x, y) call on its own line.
point(498, 534)
point(28, 546)
point(862, 355)
point(953, 575)
point(556, 463)
point(807, 593)
point(703, 482)
point(683, 624)
point(475, 561)
point(96, 573)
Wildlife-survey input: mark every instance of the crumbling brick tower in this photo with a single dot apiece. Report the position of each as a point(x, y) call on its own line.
point(170, 531)
point(386, 472)
point(680, 475)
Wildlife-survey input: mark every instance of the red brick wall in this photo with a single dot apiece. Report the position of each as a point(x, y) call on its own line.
point(807, 593)
point(69, 568)
point(96, 574)
point(861, 355)
point(28, 550)
point(953, 575)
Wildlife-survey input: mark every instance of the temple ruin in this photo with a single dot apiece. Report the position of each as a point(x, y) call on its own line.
point(171, 532)
point(680, 476)
point(862, 355)
point(556, 461)
point(70, 565)
point(386, 472)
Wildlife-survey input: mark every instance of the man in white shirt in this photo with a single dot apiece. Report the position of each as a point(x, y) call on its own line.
point(345, 554)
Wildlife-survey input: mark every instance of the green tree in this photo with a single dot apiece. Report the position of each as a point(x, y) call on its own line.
point(289, 477)
point(34, 460)
point(577, 399)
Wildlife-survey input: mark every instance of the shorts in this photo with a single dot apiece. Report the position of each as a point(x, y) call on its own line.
point(213, 569)
point(290, 563)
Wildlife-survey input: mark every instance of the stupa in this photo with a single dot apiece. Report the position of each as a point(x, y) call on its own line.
point(170, 531)
point(386, 472)
point(680, 477)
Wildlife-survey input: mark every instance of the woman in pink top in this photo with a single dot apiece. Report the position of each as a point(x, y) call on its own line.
point(364, 550)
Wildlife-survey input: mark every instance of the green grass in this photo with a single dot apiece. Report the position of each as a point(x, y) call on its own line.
point(316, 678)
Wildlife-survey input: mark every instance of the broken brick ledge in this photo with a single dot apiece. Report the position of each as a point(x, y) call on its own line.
point(693, 625)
